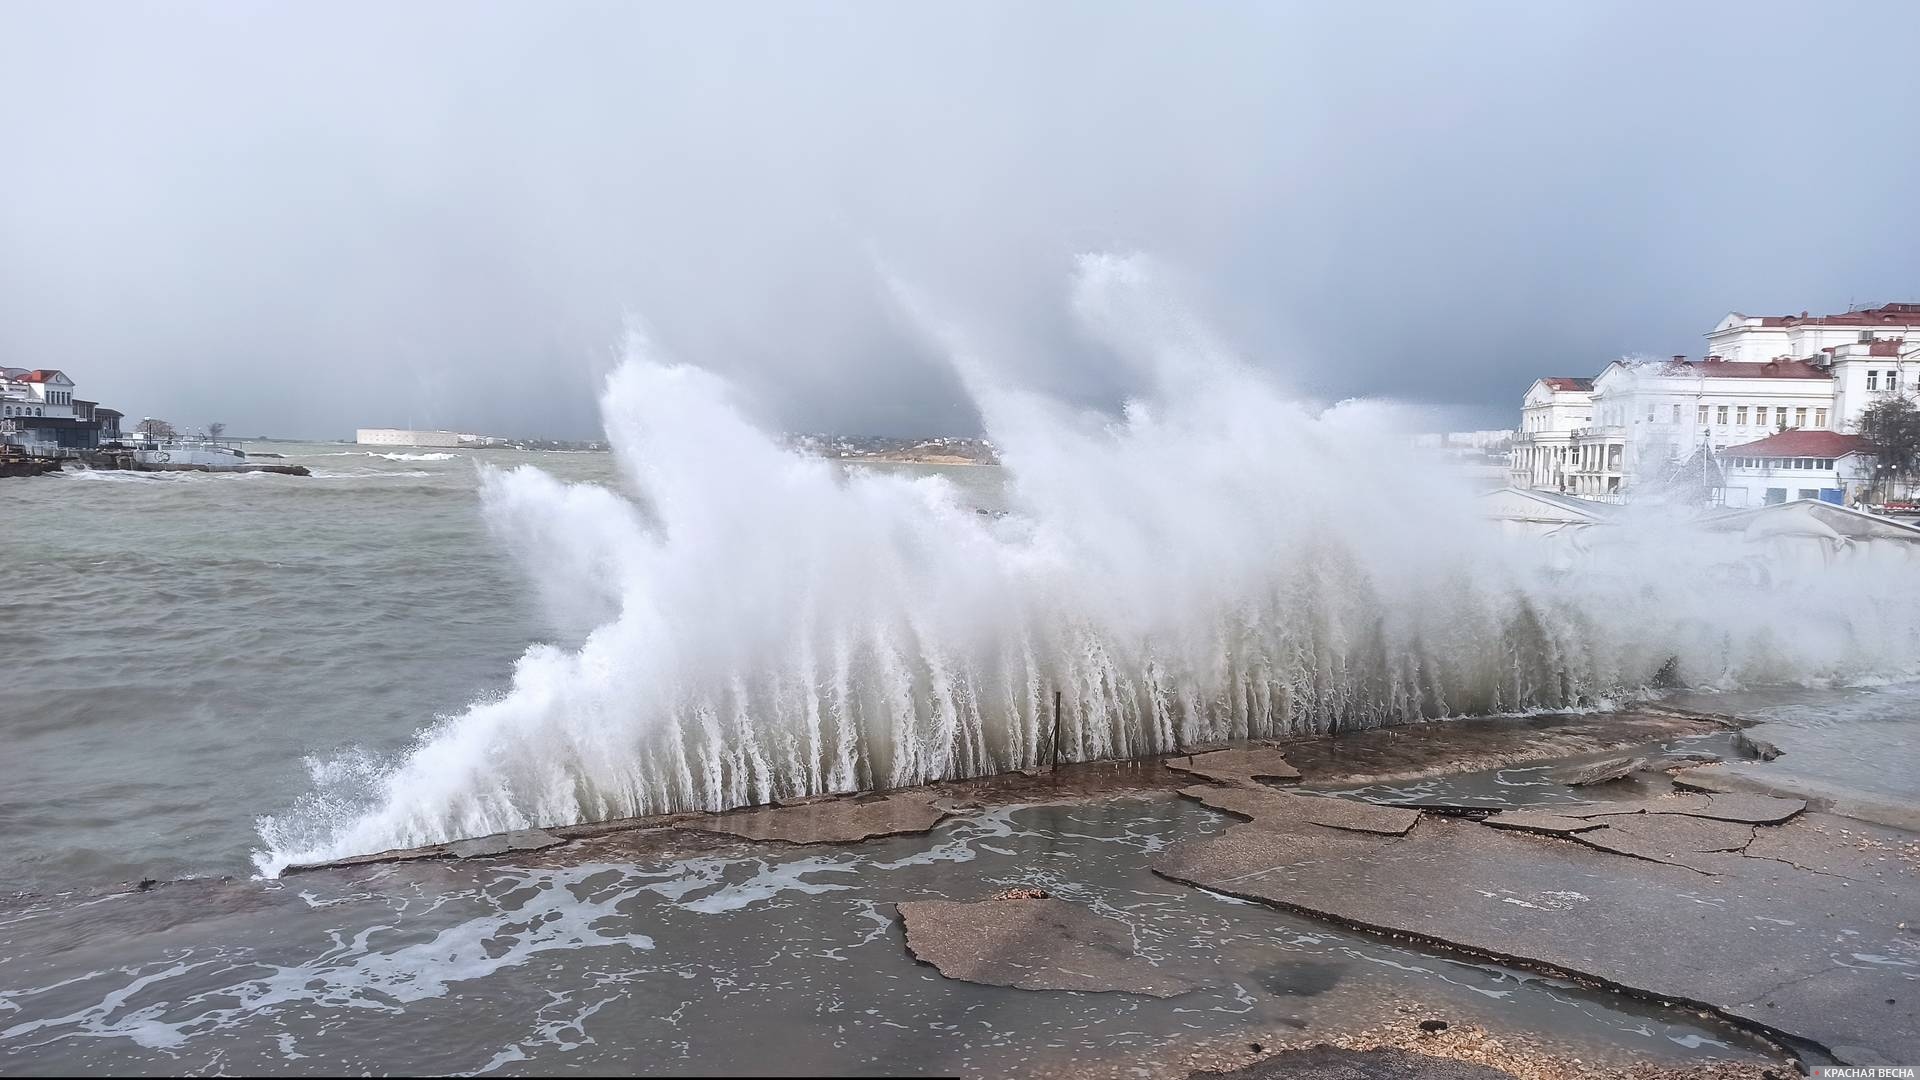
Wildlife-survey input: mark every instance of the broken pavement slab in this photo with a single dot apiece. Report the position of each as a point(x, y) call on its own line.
point(1746, 778)
point(1739, 808)
point(1541, 821)
point(1412, 751)
point(1760, 748)
point(1603, 771)
point(1757, 941)
point(1747, 809)
point(1670, 838)
point(830, 821)
point(1273, 808)
point(1249, 765)
point(1035, 944)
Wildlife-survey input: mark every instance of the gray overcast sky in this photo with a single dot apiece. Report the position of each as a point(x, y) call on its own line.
point(300, 219)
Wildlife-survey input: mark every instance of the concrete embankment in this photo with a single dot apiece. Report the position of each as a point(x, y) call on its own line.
point(284, 470)
point(124, 461)
point(28, 467)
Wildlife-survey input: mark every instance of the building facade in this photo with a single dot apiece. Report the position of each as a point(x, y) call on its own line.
point(407, 437)
point(1554, 408)
point(1763, 375)
point(1825, 465)
point(40, 412)
point(1868, 371)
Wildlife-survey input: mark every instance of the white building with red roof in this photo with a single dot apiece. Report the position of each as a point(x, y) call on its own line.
point(1806, 337)
point(1763, 375)
point(1867, 351)
point(1554, 408)
point(38, 410)
point(1825, 465)
point(1651, 416)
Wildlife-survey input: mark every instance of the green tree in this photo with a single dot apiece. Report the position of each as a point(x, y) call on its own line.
point(1891, 427)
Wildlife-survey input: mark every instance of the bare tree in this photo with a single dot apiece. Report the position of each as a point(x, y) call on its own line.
point(156, 427)
point(216, 429)
point(1891, 427)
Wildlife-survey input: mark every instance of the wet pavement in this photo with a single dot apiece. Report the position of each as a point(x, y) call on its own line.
point(740, 958)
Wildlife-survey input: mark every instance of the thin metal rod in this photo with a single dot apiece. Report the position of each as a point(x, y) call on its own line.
point(1056, 729)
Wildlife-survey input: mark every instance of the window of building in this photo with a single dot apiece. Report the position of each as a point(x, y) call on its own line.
point(1649, 414)
point(1740, 416)
point(1703, 416)
point(1809, 493)
point(1676, 413)
point(1776, 496)
point(1824, 463)
point(1780, 416)
point(1873, 380)
point(1720, 415)
point(1800, 417)
point(1819, 418)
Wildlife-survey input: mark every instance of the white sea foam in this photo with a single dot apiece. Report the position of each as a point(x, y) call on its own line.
point(390, 456)
point(1219, 561)
point(370, 474)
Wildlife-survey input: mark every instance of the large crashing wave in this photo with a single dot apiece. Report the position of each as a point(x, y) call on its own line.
point(1218, 562)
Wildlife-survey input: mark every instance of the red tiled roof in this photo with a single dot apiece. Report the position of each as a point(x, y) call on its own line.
point(1803, 443)
point(40, 375)
point(1884, 315)
point(1886, 347)
point(1563, 382)
point(1745, 369)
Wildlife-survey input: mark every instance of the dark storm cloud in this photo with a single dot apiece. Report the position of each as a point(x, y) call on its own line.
point(305, 219)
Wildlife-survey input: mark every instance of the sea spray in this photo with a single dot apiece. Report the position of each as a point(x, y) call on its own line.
point(1218, 561)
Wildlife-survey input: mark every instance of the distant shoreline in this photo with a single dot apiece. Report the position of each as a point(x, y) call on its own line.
point(902, 459)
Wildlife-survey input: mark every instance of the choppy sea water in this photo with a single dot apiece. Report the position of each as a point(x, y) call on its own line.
point(187, 643)
point(177, 645)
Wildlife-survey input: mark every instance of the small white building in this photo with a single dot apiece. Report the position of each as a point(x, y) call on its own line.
point(1821, 465)
point(42, 392)
point(1554, 408)
point(407, 437)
